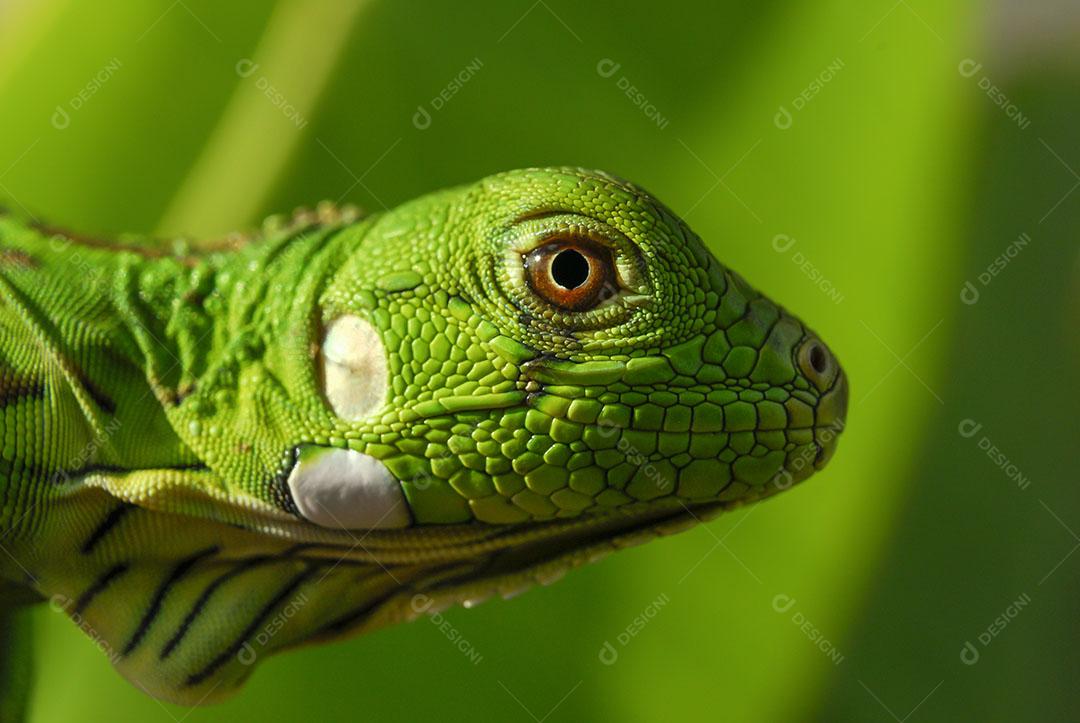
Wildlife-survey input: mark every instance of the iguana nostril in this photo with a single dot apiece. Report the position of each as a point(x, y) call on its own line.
point(817, 364)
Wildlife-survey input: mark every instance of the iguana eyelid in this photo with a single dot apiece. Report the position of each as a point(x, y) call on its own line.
point(532, 231)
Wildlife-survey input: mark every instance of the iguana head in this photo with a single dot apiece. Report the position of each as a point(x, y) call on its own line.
point(554, 343)
point(460, 397)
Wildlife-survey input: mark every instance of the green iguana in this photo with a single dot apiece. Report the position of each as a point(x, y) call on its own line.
point(343, 423)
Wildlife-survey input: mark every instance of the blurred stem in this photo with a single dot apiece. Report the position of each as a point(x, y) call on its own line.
point(23, 24)
point(262, 124)
point(15, 662)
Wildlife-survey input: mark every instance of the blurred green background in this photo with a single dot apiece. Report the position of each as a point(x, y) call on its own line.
point(860, 162)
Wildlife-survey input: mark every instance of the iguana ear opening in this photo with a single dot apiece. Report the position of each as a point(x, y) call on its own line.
point(354, 369)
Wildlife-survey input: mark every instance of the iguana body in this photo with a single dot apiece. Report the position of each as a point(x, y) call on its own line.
point(345, 423)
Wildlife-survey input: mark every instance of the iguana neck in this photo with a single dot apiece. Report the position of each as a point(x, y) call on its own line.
point(104, 344)
point(192, 314)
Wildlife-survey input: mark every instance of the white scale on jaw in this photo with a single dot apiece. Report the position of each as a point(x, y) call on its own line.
point(343, 488)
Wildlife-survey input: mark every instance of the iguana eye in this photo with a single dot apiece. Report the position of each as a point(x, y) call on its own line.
point(573, 274)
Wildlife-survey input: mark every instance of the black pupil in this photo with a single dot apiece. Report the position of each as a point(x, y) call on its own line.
point(818, 360)
point(570, 269)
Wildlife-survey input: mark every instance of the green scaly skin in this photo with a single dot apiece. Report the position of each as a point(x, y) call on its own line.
point(153, 402)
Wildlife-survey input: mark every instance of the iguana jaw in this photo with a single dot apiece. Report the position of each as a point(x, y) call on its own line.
point(523, 556)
